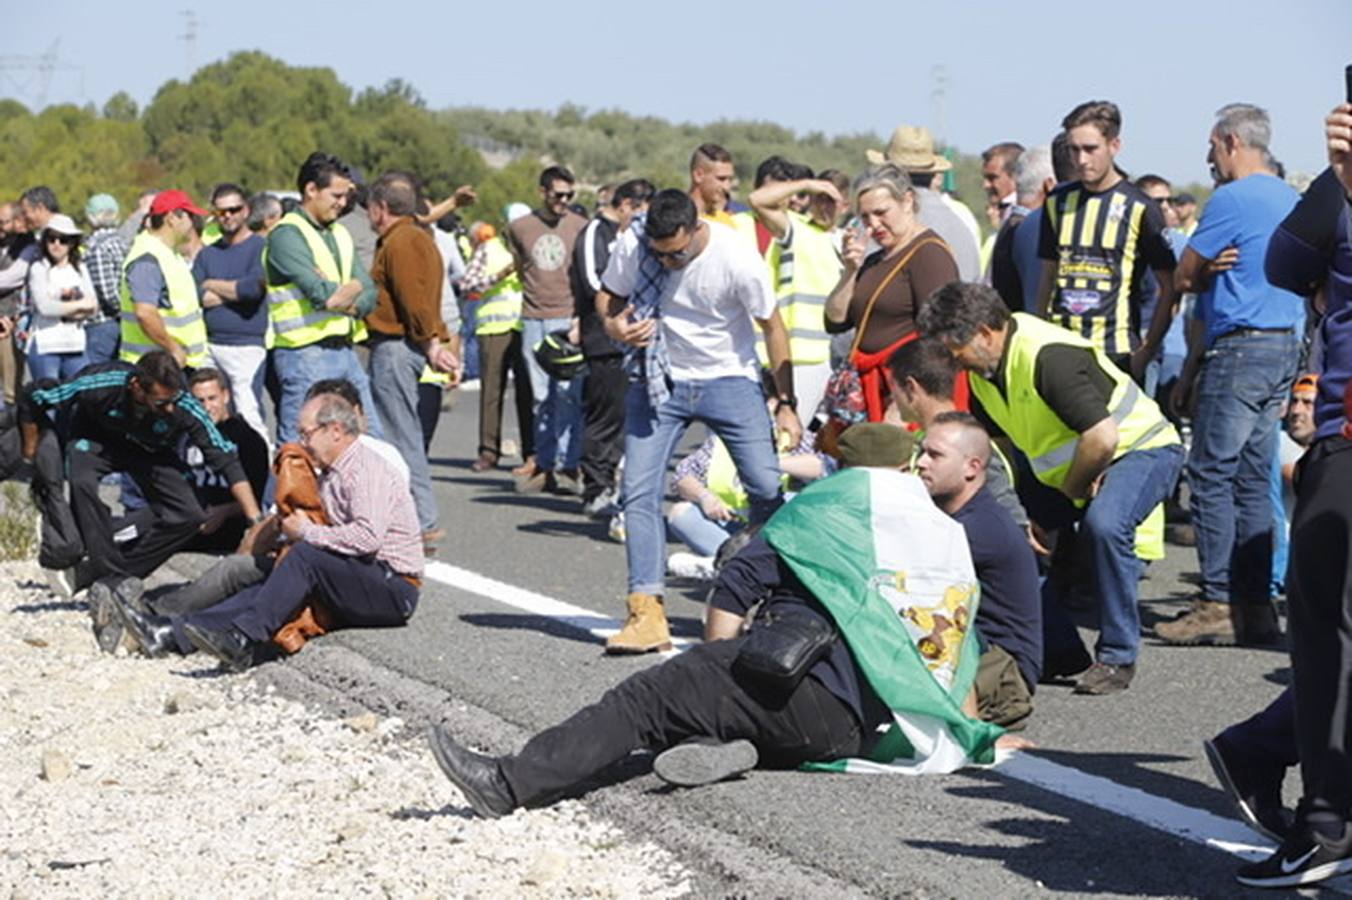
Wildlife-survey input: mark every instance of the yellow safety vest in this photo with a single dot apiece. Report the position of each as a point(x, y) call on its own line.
point(804, 275)
point(723, 482)
point(499, 308)
point(1048, 442)
point(183, 318)
point(294, 320)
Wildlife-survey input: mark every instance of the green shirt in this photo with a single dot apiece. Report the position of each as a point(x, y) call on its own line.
point(290, 262)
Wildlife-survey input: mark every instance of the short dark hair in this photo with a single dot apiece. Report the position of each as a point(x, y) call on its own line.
point(340, 386)
point(1102, 114)
point(839, 179)
point(799, 171)
point(670, 211)
point(1063, 165)
point(635, 190)
point(158, 367)
point(928, 361)
point(202, 376)
point(319, 169)
point(226, 188)
point(709, 153)
point(41, 195)
point(395, 191)
point(1007, 152)
point(774, 168)
point(1150, 180)
point(955, 311)
point(553, 174)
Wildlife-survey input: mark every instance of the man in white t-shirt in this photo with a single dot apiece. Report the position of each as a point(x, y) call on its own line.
point(686, 296)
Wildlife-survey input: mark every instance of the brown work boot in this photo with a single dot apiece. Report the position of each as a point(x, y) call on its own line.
point(1208, 623)
point(645, 630)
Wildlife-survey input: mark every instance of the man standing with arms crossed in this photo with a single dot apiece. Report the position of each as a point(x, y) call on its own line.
point(683, 294)
point(318, 293)
point(160, 305)
point(407, 331)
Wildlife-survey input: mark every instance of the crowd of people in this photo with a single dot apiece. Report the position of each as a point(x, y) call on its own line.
point(1110, 366)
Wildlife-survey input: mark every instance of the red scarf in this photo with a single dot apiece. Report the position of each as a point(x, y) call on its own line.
point(876, 381)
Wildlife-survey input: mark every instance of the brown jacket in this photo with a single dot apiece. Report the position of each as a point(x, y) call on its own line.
point(408, 278)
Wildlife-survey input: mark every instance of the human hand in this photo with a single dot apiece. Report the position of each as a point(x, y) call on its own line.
point(465, 195)
point(575, 331)
point(1338, 131)
point(1038, 539)
point(1140, 359)
point(623, 329)
point(216, 517)
point(713, 508)
point(1226, 260)
point(786, 420)
point(211, 299)
point(294, 524)
point(855, 248)
point(1181, 400)
point(6, 327)
point(179, 355)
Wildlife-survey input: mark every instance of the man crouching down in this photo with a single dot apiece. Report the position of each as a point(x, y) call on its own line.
point(365, 568)
point(861, 658)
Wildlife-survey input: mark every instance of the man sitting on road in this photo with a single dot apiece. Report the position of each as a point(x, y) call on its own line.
point(818, 561)
point(365, 566)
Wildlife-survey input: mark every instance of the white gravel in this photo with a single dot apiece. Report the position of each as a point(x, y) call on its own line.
point(130, 777)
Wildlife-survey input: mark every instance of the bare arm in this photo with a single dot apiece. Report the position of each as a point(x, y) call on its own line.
point(148, 317)
point(1045, 286)
point(781, 366)
point(770, 201)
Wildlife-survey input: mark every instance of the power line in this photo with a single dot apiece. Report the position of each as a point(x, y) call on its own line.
point(31, 76)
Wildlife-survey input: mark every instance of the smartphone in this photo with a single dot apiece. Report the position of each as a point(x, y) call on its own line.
point(1347, 76)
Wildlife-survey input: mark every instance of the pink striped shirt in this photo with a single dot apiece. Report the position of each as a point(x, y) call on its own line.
point(372, 510)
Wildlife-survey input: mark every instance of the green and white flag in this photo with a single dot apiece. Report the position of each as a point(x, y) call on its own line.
point(896, 575)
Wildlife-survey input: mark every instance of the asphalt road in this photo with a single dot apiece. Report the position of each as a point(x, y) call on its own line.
point(496, 674)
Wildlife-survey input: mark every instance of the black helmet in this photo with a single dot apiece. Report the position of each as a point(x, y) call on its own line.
point(558, 356)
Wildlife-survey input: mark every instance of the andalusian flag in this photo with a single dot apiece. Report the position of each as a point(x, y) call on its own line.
point(895, 573)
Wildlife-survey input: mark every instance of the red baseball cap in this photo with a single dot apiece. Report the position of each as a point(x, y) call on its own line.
point(168, 201)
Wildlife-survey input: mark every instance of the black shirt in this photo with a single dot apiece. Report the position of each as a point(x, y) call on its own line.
point(758, 573)
point(1010, 612)
point(1004, 274)
point(590, 255)
point(212, 488)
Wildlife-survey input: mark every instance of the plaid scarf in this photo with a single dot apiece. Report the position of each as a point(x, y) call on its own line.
point(649, 364)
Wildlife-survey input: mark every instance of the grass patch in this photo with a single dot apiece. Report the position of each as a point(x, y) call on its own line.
point(18, 523)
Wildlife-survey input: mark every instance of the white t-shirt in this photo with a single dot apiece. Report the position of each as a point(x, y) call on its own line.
point(709, 307)
point(387, 452)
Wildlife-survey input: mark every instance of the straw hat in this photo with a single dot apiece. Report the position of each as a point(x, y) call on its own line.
point(912, 149)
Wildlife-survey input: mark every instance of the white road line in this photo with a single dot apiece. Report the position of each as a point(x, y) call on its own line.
point(1196, 825)
point(595, 624)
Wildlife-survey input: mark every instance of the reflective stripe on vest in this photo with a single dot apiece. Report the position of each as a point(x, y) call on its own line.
point(182, 320)
point(499, 309)
point(804, 274)
point(293, 319)
point(1035, 429)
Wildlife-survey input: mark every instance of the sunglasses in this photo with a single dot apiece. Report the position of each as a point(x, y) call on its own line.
point(70, 240)
point(676, 256)
point(562, 195)
point(229, 210)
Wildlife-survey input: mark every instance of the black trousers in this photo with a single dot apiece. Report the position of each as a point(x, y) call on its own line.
point(360, 592)
point(694, 694)
point(1319, 592)
point(163, 479)
point(603, 396)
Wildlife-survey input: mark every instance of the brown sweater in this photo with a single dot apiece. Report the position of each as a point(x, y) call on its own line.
point(408, 278)
point(894, 312)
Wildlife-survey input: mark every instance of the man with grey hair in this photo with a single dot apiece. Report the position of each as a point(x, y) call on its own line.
point(1242, 355)
point(265, 211)
point(1015, 269)
point(104, 254)
point(997, 174)
point(364, 566)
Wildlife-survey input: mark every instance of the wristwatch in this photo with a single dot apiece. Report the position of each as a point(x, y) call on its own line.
point(786, 400)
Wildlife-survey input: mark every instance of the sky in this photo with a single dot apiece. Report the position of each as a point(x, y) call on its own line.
point(1009, 71)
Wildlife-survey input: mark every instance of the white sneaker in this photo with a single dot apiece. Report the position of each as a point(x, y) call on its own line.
point(616, 528)
point(688, 565)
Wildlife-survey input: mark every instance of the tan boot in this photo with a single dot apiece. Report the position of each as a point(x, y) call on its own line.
point(1208, 622)
point(645, 630)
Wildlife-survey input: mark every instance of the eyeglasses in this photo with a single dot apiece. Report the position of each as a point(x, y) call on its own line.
point(306, 432)
point(70, 240)
point(229, 210)
point(565, 196)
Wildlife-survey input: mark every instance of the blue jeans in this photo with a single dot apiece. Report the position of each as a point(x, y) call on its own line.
point(1132, 487)
point(690, 526)
point(396, 365)
point(1281, 529)
point(1243, 380)
point(102, 340)
point(734, 409)
point(57, 366)
point(299, 367)
point(557, 404)
point(469, 341)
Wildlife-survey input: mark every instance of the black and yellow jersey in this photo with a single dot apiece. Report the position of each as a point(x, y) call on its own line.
point(1102, 244)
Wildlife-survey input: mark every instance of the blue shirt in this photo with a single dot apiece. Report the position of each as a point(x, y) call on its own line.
point(1026, 261)
point(1243, 214)
point(242, 321)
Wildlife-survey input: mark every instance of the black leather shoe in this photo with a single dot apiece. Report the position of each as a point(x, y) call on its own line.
point(477, 776)
point(234, 650)
point(154, 634)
